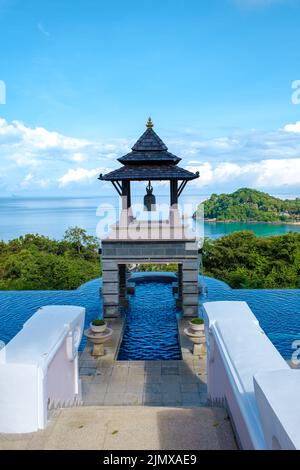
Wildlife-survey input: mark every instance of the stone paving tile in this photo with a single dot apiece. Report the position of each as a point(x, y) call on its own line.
point(120, 371)
point(100, 385)
point(106, 364)
point(169, 370)
point(153, 388)
point(153, 379)
point(170, 388)
point(122, 363)
point(137, 364)
point(87, 378)
point(113, 398)
point(155, 376)
point(202, 387)
point(153, 365)
point(188, 378)
point(116, 390)
point(133, 377)
point(132, 387)
point(152, 399)
point(191, 399)
point(171, 363)
point(92, 394)
point(158, 383)
point(189, 387)
point(103, 374)
point(87, 371)
point(172, 399)
point(170, 380)
point(133, 399)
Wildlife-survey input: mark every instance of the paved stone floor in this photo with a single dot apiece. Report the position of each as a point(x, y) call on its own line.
point(174, 415)
point(106, 381)
point(129, 428)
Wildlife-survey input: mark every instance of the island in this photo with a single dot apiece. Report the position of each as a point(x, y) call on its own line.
point(250, 205)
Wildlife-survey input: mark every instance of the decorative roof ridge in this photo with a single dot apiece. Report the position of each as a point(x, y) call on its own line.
point(149, 141)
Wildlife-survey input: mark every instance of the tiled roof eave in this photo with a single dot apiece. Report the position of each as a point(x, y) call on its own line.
point(148, 157)
point(149, 172)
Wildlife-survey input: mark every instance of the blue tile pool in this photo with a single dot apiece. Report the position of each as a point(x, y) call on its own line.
point(278, 311)
point(151, 327)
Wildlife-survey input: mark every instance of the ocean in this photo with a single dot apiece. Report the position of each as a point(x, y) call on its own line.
point(52, 216)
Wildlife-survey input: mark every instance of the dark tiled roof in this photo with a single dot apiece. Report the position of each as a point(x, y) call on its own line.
point(149, 172)
point(149, 160)
point(148, 157)
point(149, 141)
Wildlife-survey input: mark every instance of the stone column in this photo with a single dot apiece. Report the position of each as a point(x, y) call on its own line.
point(179, 286)
point(190, 269)
point(110, 288)
point(123, 286)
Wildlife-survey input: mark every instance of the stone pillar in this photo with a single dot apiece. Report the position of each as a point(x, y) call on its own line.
point(122, 286)
point(179, 287)
point(110, 288)
point(190, 269)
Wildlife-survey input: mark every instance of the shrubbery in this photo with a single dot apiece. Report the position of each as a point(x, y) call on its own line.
point(251, 205)
point(241, 259)
point(37, 262)
point(244, 260)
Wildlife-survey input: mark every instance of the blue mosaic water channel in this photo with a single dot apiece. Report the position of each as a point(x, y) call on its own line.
point(278, 311)
point(151, 327)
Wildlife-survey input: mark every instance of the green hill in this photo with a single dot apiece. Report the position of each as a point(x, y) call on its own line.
point(250, 205)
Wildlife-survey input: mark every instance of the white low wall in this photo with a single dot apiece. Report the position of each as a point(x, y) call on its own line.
point(277, 396)
point(39, 368)
point(237, 350)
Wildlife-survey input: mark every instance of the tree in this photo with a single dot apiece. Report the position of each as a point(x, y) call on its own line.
point(244, 260)
point(37, 262)
point(83, 242)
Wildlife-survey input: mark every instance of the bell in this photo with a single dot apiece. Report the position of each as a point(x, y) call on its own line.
point(149, 199)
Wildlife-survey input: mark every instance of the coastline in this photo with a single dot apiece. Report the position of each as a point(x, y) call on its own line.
point(231, 221)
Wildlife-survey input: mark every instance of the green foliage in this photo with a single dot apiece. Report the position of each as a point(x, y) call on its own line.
point(197, 321)
point(98, 322)
point(170, 267)
point(244, 260)
point(250, 205)
point(35, 262)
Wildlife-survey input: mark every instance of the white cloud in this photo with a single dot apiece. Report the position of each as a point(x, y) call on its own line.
point(293, 127)
point(79, 175)
point(30, 146)
point(46, 155)
point(38, 159)
point(78, 157)
point(273, 173)
point(277, 173)
point(28, 178)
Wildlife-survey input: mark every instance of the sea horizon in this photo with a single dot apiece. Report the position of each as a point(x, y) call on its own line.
point(52, 215)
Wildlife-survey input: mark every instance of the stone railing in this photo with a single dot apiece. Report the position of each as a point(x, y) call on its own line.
point(39, 368)
point(248, 375)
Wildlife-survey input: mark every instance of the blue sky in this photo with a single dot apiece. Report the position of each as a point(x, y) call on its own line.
point(82, 77)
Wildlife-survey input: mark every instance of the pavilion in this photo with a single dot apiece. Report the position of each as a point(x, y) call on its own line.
point(134, 241)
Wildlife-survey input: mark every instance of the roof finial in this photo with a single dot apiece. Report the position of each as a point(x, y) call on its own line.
point(149, 124)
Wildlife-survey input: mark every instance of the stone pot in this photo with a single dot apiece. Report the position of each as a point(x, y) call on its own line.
point(98, 328)
point(195, 327)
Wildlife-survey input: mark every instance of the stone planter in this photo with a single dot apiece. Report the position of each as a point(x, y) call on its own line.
point(98, 340)
point(195, 327)
point(198, 340)
point(98, 328)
